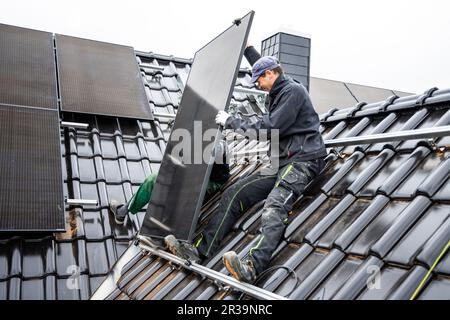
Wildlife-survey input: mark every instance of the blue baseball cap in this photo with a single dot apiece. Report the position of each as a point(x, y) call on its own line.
point(263, 64)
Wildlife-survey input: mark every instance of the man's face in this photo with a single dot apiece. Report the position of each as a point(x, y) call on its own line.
point(266, 80)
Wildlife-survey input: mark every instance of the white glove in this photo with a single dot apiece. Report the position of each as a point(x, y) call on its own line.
point(222, 117)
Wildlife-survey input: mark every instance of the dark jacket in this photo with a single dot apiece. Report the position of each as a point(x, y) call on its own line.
point(292, 113)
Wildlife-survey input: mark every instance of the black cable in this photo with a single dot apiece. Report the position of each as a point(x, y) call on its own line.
point(290, 270)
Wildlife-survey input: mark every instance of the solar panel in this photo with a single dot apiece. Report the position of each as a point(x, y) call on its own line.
point(100, 78)
point(180, 187)
point(31, 187)
point(27, 68)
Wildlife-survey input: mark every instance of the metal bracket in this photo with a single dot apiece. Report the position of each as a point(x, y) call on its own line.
point(432, 143)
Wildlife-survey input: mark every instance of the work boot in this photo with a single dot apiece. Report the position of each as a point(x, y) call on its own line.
point(120, 211)
point(182, 249)
point(241, 270)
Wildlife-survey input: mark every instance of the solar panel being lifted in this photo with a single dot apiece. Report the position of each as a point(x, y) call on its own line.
point(31, 187)
point(27, 68)
point(100, 78)
point(181, 183)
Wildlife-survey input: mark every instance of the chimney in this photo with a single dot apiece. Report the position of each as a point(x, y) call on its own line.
point(293, 52)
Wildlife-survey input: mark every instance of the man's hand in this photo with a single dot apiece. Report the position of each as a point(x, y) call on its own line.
point(222, 117)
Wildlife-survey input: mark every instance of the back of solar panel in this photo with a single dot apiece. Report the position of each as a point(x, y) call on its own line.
point(181, 184)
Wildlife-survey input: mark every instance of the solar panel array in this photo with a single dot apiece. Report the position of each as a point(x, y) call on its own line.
point(27, 68)
point(100, 78)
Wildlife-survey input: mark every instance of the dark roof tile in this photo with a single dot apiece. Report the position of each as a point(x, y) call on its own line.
point(342, 173)
point(303, 270)
point(443, 193)
point(336, 280)
point(401, 225)
point(146, 278)
point(290, 257)
point(71, 257)
point(315, 212)
point(438, 289)
point(411, 244)
point(434, 118)
point(184, 288)
point(435, 245)
point(378, 125)
point(405, 121)
point(152, 282)
point(343, 223)
point(410, 283)
point(398, 168)
point(375, 229)
point(383, 284)
point(370, 170)
point(408, 188)
point(443, 266)
point(358, 281)
point(329, 219)
point(435, 180)
point(318, 275)
point(38, 258)
point(97, 258)
point(10, 258)
point(73, 288)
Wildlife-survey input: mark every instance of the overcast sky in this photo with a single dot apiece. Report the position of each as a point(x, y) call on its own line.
point(396, 44)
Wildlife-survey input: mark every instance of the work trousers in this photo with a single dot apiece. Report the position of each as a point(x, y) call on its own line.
point(280, 191)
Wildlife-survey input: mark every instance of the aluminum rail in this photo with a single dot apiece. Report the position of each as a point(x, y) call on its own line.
point(81, 202)
point(249, 289)
point(250, 91)
point(75, 125)
point(152, 67)
point(391, 136)
point(435, 132)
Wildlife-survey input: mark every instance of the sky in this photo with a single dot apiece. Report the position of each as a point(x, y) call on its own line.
point(397, 44)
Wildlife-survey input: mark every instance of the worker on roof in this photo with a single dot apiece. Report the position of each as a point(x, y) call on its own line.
point(301, 158)
point(219, 175)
